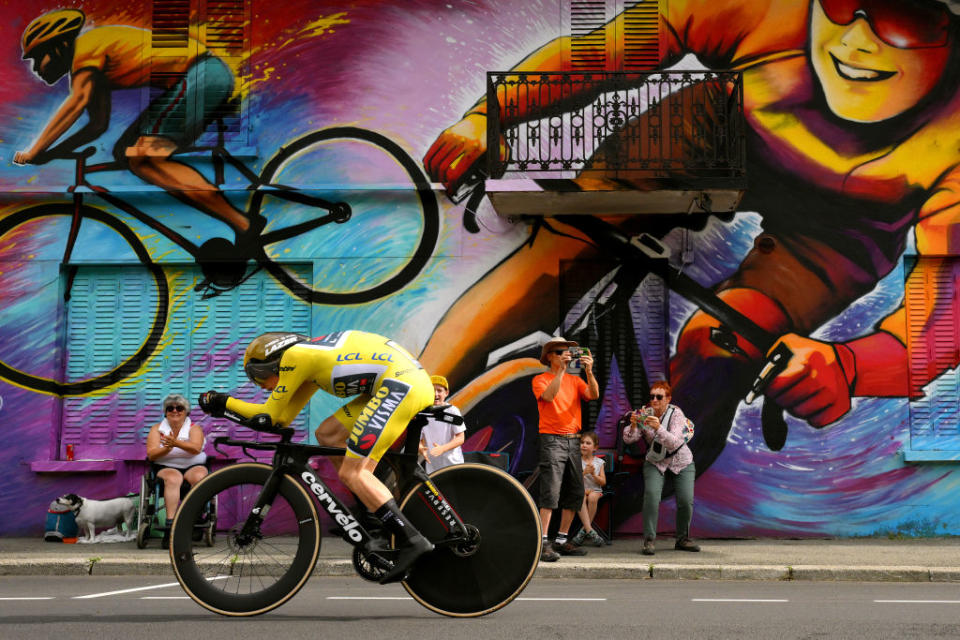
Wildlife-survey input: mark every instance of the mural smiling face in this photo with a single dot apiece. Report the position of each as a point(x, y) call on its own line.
point(876, 59)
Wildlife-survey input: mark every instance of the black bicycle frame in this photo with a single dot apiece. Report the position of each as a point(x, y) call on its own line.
point(292, 459)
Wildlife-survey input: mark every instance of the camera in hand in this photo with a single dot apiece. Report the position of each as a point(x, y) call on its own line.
point(575, 353)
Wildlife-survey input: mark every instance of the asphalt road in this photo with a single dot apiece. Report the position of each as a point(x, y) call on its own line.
point(98, 607)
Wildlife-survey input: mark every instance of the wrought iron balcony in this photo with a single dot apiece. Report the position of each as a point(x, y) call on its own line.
point(673, 136)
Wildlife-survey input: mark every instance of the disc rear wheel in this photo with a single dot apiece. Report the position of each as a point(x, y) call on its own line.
point(491, 568)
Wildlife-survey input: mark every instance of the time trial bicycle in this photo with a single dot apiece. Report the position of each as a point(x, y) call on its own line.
point(482, 522)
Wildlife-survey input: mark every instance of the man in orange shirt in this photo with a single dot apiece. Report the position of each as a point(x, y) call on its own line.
point(558, 394)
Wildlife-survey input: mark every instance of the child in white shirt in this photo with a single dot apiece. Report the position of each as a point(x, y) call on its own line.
point(440, 441)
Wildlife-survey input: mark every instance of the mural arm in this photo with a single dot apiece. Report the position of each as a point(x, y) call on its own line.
point(822, 377)
point(83, 86)
point(881, 358)
point(98, 114)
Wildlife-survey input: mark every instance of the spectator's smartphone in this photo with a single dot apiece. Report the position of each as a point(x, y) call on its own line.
point(575, 353)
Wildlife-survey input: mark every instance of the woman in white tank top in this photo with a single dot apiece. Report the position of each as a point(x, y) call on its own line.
point(175, 447)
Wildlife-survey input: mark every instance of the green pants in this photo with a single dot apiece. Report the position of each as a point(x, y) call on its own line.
point(653, 489)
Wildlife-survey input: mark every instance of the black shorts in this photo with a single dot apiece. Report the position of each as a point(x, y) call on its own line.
point(561, 473)
point(155, 467)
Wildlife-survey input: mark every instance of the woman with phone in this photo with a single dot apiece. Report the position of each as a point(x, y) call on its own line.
point(666, 431)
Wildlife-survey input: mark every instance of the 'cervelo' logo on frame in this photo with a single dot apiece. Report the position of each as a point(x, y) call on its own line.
point(345, 520)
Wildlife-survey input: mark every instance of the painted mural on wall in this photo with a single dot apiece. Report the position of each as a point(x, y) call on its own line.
point(324, 213)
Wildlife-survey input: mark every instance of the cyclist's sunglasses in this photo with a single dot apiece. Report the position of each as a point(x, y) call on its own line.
point(899, 23)
point(260, 372)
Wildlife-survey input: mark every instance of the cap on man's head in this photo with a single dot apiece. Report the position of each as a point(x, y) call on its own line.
point(440, 380)
point(555, 343)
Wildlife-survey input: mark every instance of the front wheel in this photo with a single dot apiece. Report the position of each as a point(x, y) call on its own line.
point(483, 576)
point(246, 573)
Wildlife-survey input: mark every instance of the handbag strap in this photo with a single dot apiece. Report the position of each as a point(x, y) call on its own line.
point(668, 416)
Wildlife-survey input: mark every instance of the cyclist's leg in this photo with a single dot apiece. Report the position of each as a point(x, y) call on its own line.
point(374, 429)
point(162, 131)
point(332, 432)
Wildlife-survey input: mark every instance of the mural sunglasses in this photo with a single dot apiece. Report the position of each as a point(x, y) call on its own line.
point(175, 407)
point(657, 396)
point(898, 23)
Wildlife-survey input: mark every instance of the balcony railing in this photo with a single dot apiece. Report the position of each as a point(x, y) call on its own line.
point(681, 128)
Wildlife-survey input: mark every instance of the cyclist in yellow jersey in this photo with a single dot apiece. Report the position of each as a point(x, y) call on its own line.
point(390, 388)
point(197, 88)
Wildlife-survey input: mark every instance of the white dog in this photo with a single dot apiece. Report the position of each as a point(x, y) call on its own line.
point(91, 514)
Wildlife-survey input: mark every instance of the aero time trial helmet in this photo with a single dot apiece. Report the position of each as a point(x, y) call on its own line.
point(262, 357)
point(51, 26)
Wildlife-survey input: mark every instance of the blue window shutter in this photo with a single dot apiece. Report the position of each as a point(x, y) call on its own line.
point(108, 317)
point(223, 326)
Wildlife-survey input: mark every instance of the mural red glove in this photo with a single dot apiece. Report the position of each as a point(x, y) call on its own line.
point(456, 149)
point(818, 381)
point(213, 403)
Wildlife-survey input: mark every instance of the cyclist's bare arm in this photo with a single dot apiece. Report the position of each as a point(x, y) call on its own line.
point(294, 389)
point(98, 120)
point(84, 91)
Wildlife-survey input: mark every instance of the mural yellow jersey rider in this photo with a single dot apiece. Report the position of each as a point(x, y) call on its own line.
point(125, 57)
point(196, 89)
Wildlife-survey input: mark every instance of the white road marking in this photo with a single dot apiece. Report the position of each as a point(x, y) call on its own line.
point(29, 598)
point(369, 598)
point(518, 599)
point(918, 601)
point(738, 600)
point(113, 593)
point(563, 599)
point(135, 589)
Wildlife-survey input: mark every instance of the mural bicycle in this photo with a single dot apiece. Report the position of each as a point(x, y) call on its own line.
point(225, 264)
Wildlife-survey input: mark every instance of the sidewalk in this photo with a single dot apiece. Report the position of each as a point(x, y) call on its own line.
point(864, 559)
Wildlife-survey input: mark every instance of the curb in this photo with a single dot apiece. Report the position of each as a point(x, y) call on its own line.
point(159, 565)
point(641, 571)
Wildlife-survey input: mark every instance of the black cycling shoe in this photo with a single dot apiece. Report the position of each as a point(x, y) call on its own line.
point(406, 557)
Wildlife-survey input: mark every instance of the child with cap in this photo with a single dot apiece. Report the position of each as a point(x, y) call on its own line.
point(440, 441)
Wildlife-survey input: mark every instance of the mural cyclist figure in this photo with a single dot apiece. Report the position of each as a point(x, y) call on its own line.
point(841, 100)
point(390, 388)
point(197, 88)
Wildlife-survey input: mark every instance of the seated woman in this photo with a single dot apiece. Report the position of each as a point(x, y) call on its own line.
point(175, 449)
